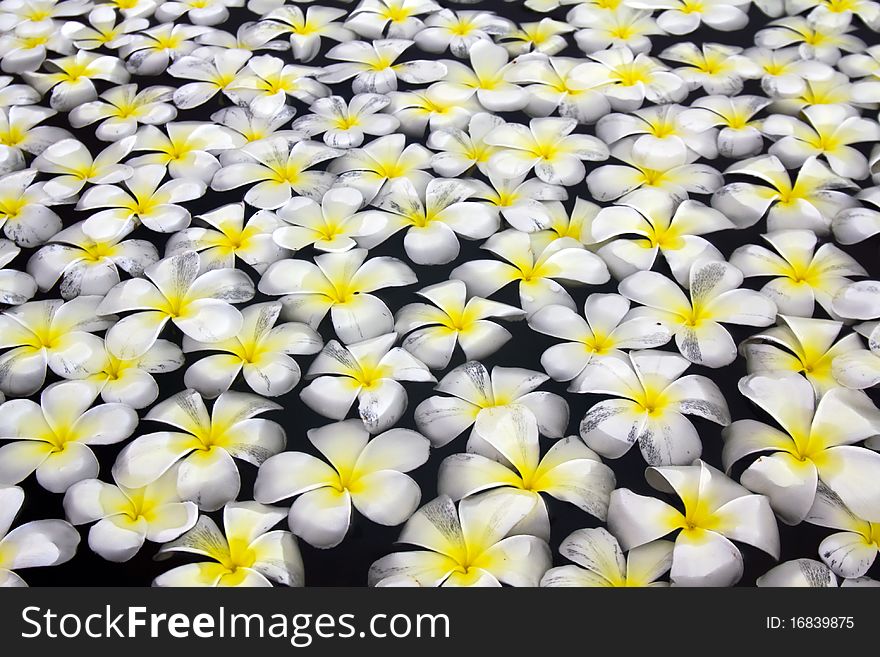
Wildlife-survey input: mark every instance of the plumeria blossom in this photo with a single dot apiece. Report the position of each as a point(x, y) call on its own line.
point(396, 18)
point(815, 38)
point(551, 86)
point(717, 511)
point(522, 202)
point(173, 290)
point(146, 200)
point(459, 31)
point(306, 28)
point(204, 445)
point(536, 267)
point(475, 394)
point(130, 381)
point(54, 437)
point(20, 134)
point(247, 553)
point(199, 12)
point(604, 330)
point(33, 544)
point(548, 146)
point(221, 236)
point(364, 473)
point(851, 551)
point(803, 274)
point(267, 82)
point(380, 161)
point(333, 225)
point(473, 545)
point(809, 201)
point(806, 346)
point(660, 225)
point(784, 72)
point(460, 150)
point(70, 79)
point(370, 372)
point(739, 133)
point(26, 50)
point(600, 562)
point(658, 135)
point(488, 78)
point(340, 283)
point(186, 150)
point(652, 398)
point(372, 65)
point(127, 517)
point(213, 74)
point(436, 107)
point(49, 333)
point(24, 217)
point(715, 298)
point(260, 351)
point(86, 266)
point(16, 287)
point(829, 132)
point(151, 51)
point(278, 169)
point(677, 176)
point(74, 166)
point(433, 218)
point(344, 125)
point(717, 68)
point(603, 28)
point(121, 109)
point(685, 16)
point(627, 79)
point(432, 331)
point(544, 36)
point(817, 444)
point(103, 30)
point(504, 452)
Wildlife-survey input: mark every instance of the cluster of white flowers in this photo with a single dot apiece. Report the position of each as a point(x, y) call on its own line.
point(197, 224)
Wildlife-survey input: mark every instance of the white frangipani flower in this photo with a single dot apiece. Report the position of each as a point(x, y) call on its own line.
point(151, 51)
point(340, 283)
point(306, 28)
point(24, 217)
point(363, 472)
point(20, 134)
point(86, 266)
point(715, 298)
point(345, 124)
point(54, 437)
point(685, 16)
point(662, 225)
point(267, 82)
point(199, 12)
point(804, 274)
point(121, 109)
point(522, 202)
point(605, 330)
point(432, 331)
point(488, 79)
point(731, 122)
point(247, 553)
point(173, 290)
point(600, 562)
point(460, 150)
point(652, 399)
point(398, 19)
point(612, 27)
point(806, 346)
point(146, 200)
point(433, 218)
point(816, 444)
point(222, 235)
point(260, 351)
point(717, 511)
point(204, 445)
point(370, 372)
point(536, 266)
point(476, 395)
point(504, 452)
point(52, 334)
point(127, 517)
point(548, 146)
point(717, 68)
point(459, 31)
point(278, 169)
point(70, 78)
point(74, 166)
point(33, 544)
point(474, 545)
point(187, 150)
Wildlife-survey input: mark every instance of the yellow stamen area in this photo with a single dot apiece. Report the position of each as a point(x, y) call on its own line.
point(633, 73)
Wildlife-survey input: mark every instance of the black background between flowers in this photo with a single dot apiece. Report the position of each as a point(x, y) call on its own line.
point(348, 563)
